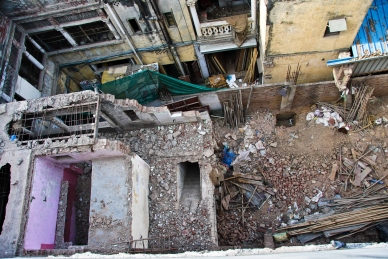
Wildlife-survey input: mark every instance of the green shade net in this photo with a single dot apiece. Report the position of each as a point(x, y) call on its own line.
point(145, 85)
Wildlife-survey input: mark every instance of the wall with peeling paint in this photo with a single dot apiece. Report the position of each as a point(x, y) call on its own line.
point(296, 35)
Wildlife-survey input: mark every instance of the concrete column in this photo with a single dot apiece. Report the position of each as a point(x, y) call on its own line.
point(201, 61)
point(194, 16)
point(67, 36)
point(177, 60)
point(253, 14)
point(287, 100)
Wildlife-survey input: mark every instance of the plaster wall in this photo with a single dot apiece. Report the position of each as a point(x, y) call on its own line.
point(109, 217)
point(313, 67)
point(263, 25)
point(92, 54)
point(183, 31)
point(180, 178)
point(12, 225)
point(299, 26)
point(140, 191)
point(25, 89)
point(42, 215)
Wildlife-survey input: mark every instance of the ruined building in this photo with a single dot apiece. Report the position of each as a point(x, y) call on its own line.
point(75, 166)
point(54, 47)
point(76, 183)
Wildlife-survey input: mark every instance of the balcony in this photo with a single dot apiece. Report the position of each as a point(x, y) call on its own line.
point(216, 29)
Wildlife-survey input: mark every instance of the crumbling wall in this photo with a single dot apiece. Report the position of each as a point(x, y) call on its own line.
point(163, 148)
point(12, 227)
point(110, 210)
point(140, 207)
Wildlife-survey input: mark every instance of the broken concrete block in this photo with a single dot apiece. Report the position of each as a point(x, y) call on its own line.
point(208, 152)
point(3, 108)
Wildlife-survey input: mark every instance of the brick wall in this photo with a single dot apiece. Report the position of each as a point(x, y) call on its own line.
point(379, 82)
point(267, 96)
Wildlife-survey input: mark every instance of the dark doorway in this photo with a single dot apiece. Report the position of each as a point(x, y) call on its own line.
point(189, 185)
point(5, 188)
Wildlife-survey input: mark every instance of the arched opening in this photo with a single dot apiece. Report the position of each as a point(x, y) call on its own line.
point(5, 187)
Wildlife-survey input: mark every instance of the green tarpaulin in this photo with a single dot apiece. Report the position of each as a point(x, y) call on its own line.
point(145, 85)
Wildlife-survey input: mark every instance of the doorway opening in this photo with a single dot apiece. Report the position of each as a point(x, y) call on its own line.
point(5, 188)
point(189, 185)
point(59, 204)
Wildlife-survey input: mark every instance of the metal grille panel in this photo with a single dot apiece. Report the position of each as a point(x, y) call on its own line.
point(36, 24)
point(77, 17)
point(55, 124)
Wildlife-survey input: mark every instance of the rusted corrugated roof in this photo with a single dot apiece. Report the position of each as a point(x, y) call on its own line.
point(371, 39)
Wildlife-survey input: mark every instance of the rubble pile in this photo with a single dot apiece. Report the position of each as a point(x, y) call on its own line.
point(306, 185)
point(163, 148)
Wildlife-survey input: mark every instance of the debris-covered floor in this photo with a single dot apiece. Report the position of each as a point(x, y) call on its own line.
point(297, 171)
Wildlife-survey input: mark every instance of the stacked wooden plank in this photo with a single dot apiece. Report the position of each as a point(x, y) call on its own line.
point(360, 170)
point(243, 191)
point(356, 115)
point(356, 220)
point(234, 111)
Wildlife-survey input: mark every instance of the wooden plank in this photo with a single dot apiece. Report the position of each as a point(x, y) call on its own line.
point(225, 202)
point(248, 176)
point(365, 173)
point(250, 181)
point(357, 176)
point(333, 172)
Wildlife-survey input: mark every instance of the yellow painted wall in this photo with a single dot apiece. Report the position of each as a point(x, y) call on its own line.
point(299, 26)
point(80, 73)
point(164, 57)
point(313, 67)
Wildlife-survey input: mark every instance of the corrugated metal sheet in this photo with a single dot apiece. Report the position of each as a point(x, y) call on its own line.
point(370, 47)
point(368, 66)
point(371, 39)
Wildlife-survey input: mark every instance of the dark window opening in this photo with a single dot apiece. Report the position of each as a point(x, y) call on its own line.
point(135, 27)
point(189, 185)
point(18, 97)
point(51, 40)
point(170, 19)
point(329, 33)
point(214, 9)
point(114, 63)
point(5, 188)
point(29, 71)
point(90, 33)
point(132, 115)
point(33, 50)
point(171, 70)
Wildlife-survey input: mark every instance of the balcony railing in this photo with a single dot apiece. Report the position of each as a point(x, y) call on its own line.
point(220, 28)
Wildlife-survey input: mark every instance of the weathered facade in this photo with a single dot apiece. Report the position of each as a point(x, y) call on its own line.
point(51, 46)
point(142, 176)
point(299, 32)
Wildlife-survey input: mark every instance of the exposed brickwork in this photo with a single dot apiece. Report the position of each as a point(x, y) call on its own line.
point(379, 82)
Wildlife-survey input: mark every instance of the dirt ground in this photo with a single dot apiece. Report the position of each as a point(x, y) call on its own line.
point(296, 164)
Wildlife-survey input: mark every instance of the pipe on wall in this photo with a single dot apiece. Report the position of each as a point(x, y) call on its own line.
point(123, 32)
point(36, 44)
point(33, 60)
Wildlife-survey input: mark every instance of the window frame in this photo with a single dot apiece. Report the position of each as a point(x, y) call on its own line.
point(131, 26)
point(167, 19)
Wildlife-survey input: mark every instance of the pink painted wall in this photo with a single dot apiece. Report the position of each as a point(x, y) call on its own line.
point(42, 216)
